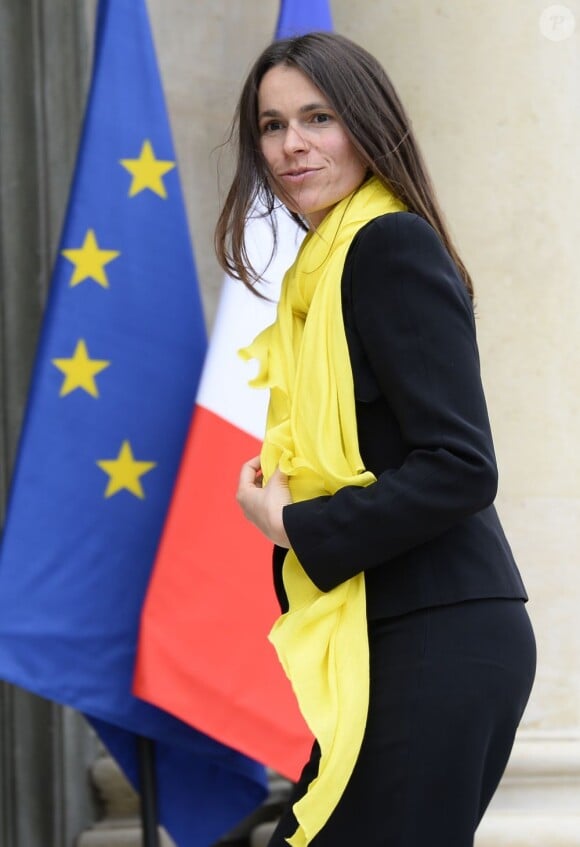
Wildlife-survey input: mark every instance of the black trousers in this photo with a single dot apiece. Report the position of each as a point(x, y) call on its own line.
point(448, 688)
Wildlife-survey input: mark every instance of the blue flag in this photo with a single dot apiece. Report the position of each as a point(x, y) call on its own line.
point(113, 388)
point(298, 17)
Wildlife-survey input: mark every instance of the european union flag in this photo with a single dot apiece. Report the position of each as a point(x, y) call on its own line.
point(112, 392)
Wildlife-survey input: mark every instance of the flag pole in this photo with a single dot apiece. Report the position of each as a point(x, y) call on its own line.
point(147, 782)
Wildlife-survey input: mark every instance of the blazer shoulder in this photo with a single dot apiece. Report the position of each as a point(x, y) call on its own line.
point(403, 248)
point(398, 228)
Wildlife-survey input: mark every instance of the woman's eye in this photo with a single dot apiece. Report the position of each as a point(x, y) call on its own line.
point(271, 126)
point(321, 118)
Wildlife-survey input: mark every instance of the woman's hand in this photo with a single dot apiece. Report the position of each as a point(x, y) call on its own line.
point(262, 505)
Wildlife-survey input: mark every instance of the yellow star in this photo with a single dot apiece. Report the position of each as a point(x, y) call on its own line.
point(147, 171)
point(80, 371)
point(124, 472)
point(89, 261)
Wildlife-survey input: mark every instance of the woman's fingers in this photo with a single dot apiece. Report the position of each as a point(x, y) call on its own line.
point(263, 505)
point(251, 473)
point(279, 477)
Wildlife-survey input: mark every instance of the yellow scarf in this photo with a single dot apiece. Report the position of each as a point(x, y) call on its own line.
point(311, 435)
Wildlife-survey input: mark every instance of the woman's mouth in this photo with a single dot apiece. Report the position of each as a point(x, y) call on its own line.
point(297, 175)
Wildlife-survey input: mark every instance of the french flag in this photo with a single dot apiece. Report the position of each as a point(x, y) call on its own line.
point(203, 652)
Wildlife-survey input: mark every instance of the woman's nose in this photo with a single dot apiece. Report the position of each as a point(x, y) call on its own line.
point(294, 140)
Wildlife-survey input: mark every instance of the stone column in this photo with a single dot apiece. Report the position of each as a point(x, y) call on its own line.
point(45, 751)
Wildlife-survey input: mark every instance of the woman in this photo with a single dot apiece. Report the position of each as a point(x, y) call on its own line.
point(404, 631)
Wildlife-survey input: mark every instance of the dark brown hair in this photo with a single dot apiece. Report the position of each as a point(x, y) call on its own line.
point(360, 92)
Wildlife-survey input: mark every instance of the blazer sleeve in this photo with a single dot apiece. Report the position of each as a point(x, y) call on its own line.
point(415, 321)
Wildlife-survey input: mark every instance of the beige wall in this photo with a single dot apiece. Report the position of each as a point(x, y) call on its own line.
point(205, 48)
point(496, 106)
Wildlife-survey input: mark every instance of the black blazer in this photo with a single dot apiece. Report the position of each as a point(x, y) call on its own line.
point(426, 533)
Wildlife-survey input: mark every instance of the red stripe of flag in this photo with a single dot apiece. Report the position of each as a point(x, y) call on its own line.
point(204, 654)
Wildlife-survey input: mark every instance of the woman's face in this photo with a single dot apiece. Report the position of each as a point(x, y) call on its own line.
point(306, 148)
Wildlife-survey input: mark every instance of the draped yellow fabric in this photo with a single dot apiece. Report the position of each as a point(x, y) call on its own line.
point(311, 436)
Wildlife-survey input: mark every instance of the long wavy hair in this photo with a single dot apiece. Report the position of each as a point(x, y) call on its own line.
point(363, 97)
